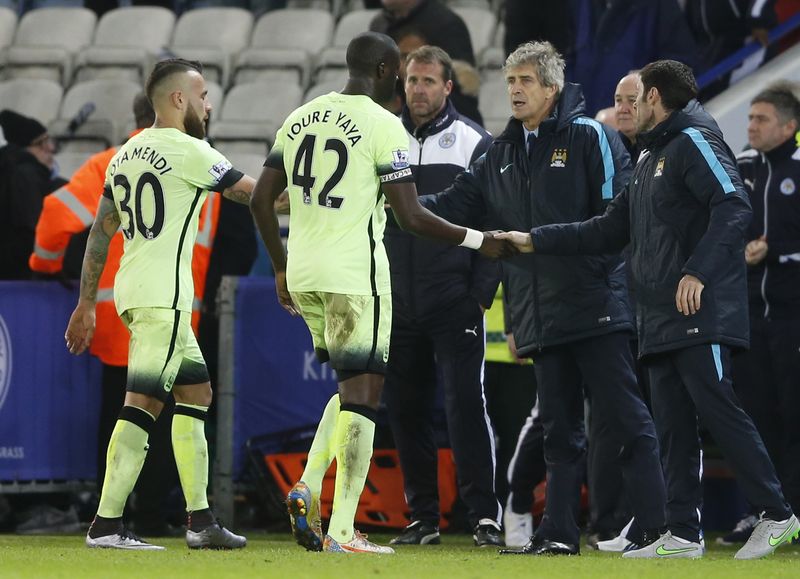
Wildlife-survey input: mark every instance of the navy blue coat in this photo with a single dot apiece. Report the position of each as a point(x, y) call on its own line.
point(577, 166)
point(428, 275)
point(773, 182)
point(685, 211)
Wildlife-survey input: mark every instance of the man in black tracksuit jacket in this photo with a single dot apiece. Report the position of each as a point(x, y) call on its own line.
point(438, 292)
point(570, 314)
point(684, 213)
point(767, 378)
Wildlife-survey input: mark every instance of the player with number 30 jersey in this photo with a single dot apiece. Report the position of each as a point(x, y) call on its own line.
point(159, 180)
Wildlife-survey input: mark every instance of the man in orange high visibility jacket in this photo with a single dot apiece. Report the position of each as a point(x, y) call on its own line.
point(68, 212)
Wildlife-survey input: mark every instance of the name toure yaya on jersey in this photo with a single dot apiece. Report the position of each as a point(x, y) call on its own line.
point(345, 123)
point(147, 154)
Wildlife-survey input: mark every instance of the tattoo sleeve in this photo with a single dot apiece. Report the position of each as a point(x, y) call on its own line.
point(241, 191)
point(238, 195)
point(106, 224)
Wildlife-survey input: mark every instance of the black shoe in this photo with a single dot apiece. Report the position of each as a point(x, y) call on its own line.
point(593, 538)
point(740, 533)
point(541, 546)
point(214, 537)
point(418, 533)
point(488, 534)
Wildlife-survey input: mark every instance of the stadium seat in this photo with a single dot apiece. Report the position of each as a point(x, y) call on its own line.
point(8, 24)
point(254, 111)
point(494, 56)
point(33, 97)
point(481, 24)
point(69, 162)
point(126, 43)
point(351, 24)
point(286, 40)
point(111, 114)
point(46, 42)
point(214, 36)
point(493, 102)
point(248, 163)
point(215, 95)
point(325, 87)
point(245, 147)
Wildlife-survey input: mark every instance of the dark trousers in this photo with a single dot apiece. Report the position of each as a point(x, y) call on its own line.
point(527, 468)
point(451, 343)
point(510, 393)
point(159, 473)
point(609, 510)
point(767, 380)
point(696, 382)
point(604, 366)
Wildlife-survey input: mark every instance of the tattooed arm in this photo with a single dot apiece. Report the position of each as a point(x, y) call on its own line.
point(241, 191)
point(81, 324)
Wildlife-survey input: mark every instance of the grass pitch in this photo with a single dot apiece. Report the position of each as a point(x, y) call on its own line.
point(276, 556)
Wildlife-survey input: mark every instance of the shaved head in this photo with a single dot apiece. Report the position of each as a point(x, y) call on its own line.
point(177, 90)
point(373, 61)
point(169, 75)
point(369, 50)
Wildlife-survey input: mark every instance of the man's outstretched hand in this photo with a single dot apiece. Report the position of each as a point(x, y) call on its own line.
point(522, 242)
point(496, 248)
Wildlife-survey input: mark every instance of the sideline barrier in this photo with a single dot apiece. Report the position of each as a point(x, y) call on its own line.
point(49, 399)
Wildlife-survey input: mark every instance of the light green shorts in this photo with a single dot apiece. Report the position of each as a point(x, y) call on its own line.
point(352, 331)
point(163, 351)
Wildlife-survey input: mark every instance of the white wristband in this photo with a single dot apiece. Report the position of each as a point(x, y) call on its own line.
point(473, 239)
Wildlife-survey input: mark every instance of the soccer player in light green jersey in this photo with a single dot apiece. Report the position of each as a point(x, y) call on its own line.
point(155, 186)
point(339, 155)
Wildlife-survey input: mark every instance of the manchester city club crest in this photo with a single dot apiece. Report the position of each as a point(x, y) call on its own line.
point(559, 158)
point(660, 167)
point(5, 361)
point(447, 140)
point(787, 186)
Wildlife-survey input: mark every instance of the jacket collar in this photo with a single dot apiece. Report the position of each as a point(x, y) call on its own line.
point(783, 151)
point(437, 124)
point(569, 106)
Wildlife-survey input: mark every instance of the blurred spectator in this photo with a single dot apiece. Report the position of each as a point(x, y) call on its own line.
point(721, 27)
point(414, 31)
point(613, 37)
point(625, 113)
point(528, 20)
point(437, 24)
point(26, 178)
point(765, 377)
point(608, 117)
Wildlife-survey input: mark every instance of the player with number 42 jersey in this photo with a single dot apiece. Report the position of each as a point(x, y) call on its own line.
point(336, 151)
point(161, 172)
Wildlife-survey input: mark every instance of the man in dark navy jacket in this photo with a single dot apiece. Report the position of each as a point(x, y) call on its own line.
point(438, 296)
point(766, 377)
point(685, 213)
point(570, 314)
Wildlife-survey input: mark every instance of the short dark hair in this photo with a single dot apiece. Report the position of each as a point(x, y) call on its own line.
point(433, 55)
point(367, 50)
point(143, 111)
point(167, 68)
point(674, 80)
point(783, 96)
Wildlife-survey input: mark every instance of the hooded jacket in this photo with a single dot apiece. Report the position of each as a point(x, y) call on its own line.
point(577, 166)
point(685, 211)
point(772, 180)
point(429, 275)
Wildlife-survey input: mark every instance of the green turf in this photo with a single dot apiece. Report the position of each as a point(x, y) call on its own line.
point(276, 556)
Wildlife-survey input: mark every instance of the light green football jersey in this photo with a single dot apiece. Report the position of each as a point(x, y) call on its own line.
point(336, 151)
point(159, 180)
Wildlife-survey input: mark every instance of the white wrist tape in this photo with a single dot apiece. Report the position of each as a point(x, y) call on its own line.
point(473, 239)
